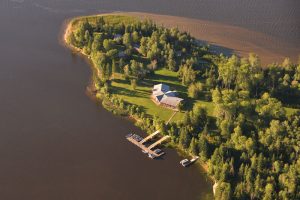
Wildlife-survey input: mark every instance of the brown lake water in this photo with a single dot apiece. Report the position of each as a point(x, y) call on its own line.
point(55, 143)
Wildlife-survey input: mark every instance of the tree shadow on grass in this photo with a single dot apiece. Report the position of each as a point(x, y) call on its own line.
point(158, 78)
point(188, 104)
point(121, 81)
point(126, 92)
point(139, 85)
point(146, 92)
point(130, 93)
point(162, 77)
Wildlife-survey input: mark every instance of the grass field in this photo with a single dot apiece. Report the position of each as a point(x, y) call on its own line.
point(141, 95)
point(290, 111)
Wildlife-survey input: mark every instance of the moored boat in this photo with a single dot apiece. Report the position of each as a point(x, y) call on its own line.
point(187, 162)
point(159, 152)
point(152, 156)
point(194, 159)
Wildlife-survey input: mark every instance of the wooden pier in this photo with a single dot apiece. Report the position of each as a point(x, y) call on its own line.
point(143, 147)
point(139, 141)
point(159, 142)
point(150, 137)
point(135, 139)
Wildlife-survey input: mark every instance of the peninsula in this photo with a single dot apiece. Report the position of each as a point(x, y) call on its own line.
point(241, 117)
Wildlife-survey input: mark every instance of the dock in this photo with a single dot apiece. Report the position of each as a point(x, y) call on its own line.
point(143, 147)
point(159, 142)
point(139, 141)
point(150, 137)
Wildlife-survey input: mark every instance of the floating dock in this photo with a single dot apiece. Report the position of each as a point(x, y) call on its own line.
point(136, 140)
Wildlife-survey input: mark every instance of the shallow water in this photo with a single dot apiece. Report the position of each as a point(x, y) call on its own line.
point(55, 143)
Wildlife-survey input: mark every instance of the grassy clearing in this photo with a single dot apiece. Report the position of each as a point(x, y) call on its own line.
point(141, 95)
point(290, 111)
point(170, 78)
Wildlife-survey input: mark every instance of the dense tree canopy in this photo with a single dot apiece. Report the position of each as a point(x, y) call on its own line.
point(251, 146)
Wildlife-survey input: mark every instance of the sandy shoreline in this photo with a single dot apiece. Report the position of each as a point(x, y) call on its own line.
point(222, 38)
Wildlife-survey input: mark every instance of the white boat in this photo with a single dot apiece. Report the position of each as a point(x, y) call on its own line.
point(194, 159)
point(151, 156)
point(159, 152)
point(187, 162)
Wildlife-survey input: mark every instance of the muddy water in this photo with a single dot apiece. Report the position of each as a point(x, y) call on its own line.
point(55, 143)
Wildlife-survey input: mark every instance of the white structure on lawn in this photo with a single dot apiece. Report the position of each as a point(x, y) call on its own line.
point(162, 95)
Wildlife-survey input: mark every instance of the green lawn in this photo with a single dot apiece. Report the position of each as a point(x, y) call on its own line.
point(290, 111)
point(141, 95)
point(170, 78)
point(209, 106)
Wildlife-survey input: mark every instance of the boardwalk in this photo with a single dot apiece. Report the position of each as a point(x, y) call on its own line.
point(150, 137)
point(158, 142)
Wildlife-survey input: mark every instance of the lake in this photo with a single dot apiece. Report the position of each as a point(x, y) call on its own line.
point(55, 142)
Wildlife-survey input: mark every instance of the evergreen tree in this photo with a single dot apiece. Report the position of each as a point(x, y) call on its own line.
point(223, 191)
point(194, 147)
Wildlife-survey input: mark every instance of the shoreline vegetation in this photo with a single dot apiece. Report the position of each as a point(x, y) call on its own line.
point(236, 114)
point(226, 39)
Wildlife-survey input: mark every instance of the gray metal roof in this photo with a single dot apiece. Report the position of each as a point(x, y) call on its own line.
point(172, 101)
point(171, 93)
point(164, 95)
point(161, 87)
point(159, 97)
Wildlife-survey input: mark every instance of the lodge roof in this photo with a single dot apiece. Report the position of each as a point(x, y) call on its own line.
point(164, 95)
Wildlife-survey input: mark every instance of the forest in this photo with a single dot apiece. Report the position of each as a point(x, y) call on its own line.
point(250, 144)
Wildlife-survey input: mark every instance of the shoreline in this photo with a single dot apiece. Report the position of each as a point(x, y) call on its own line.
point(90, 89)
point(67, 26)
point(92, 93)
point(222, 38)
point(226, 39)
